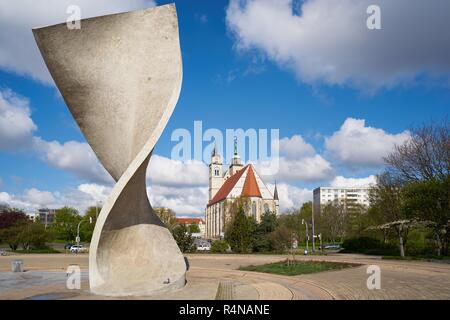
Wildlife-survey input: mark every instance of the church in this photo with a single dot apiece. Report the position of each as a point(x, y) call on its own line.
point(237, 181)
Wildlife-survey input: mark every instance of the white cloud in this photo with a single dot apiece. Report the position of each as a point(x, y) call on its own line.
point(291, 197)
point(41, 198)
point(341, 181)
point(183, 200)
point(328, 40)
point(296, 147)
point(96, 191)
point(168, 172)
point(298, 161)
point(72, 156)
point(358, 145)
point(16, 125)
point(19, 53)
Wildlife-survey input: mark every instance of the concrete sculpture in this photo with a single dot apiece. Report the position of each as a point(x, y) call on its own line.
point(120, 75)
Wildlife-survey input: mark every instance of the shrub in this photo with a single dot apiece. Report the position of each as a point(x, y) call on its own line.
point(361, 244)
point(219, 246)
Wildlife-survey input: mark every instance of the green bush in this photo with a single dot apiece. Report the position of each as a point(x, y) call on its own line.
point(361, 244)
point(219, 246)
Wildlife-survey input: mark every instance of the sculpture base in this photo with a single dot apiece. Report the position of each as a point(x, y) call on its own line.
point(138, 260)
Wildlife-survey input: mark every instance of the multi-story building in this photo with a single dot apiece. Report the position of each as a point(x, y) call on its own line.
point(238, 181)
point(46, 216)
point(347, 196)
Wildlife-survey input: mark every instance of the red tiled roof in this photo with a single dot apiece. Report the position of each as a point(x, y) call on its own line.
point(226, 188)
point(251, 188)
point(190, 220)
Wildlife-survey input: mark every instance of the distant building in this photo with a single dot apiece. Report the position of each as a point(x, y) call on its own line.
point(198, 221)
point(237, 181)
point(347, 196)
point(46, 216)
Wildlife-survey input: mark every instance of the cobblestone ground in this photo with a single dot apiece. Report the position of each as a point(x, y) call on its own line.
point(217, 277)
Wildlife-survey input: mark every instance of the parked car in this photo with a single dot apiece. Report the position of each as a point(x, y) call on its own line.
point(67, 246)
point(3, 253)
point(78, 249)
point(203, 247)
point(332, 246)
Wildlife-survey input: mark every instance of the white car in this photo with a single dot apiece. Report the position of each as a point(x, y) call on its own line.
point(203, 247)
point(78, 249)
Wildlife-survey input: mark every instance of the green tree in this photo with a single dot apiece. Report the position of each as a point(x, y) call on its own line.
point(267, 225)
point(281, 238)
point(194, 228)
point(87, 228)
point(240, 232)
point(332, 222)
point(11, 236)
point(183, 238)
point(66, 223)
point(429, 200)
point(387, 208)
point(33, 235)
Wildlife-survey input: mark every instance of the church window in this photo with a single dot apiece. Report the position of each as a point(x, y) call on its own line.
point(266, 208)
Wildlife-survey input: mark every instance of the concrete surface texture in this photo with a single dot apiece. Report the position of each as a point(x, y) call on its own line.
point(120, 75)
point(216, 277)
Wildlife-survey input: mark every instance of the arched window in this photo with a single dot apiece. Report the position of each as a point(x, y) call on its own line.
point(266, 208)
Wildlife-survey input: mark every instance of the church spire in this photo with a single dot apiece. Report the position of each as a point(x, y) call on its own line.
point(235, 146)
point(275, 193)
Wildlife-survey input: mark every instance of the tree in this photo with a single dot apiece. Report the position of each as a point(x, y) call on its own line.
point(430, 201)
point(422, 167)
point(387, 209)
point(183, 238)
point(331, 221)
point(33, 235)
point(240, 232)
point(9, 217)
point(261, 242)
point(11, 236)
point(87, 228)
point(425, 156)
point(167, 216)
point(66, 223)
point(194, 228)
point(281, 238)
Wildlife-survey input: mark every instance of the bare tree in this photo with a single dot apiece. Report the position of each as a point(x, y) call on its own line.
point(425, 156)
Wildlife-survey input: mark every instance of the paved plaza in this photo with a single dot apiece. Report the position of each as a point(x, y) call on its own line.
point(216, 277)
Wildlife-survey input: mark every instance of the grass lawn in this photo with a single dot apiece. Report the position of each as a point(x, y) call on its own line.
point(298, 267)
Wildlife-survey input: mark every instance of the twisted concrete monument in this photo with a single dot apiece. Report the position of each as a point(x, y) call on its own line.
point(120, 75)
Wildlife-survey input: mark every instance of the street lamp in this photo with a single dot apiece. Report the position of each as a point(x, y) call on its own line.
point(307, 236)
point(78, 231)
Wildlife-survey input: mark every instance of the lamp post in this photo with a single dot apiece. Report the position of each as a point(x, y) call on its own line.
point(307, 236)
point(313, 229)
point(78, 231)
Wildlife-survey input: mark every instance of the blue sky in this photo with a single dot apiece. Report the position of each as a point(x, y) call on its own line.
point(236, 77)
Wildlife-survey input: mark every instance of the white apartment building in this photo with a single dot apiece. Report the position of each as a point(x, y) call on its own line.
point(347, 196)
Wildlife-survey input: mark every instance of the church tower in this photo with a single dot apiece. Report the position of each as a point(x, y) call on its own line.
point(215, 173)
point(276, 200)
point(236, 163)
